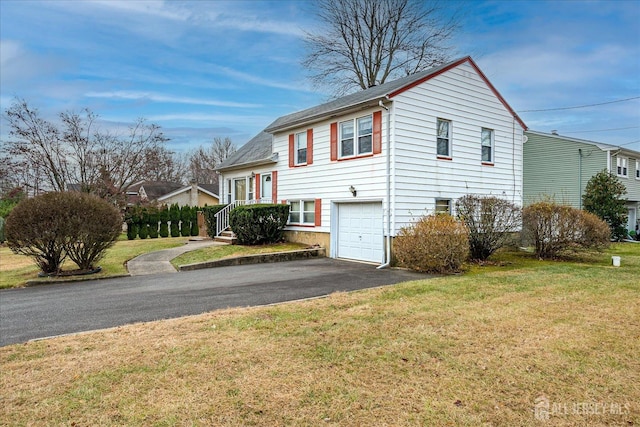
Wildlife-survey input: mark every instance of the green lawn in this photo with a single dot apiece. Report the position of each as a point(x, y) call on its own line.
point(476, 349)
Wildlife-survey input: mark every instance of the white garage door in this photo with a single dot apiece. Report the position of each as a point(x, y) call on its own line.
point(360, 231)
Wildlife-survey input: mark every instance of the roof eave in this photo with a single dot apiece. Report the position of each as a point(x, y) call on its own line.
point(261, 162)
point(328, 115)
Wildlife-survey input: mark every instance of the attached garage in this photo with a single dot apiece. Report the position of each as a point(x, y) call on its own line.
point(359, 231)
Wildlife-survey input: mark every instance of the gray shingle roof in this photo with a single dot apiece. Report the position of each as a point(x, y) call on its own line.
point(371, 95)
point(258, 149)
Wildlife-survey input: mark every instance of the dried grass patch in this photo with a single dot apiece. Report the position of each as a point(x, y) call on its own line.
point(459, 350)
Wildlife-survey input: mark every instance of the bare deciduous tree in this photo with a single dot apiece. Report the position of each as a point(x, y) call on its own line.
point(362, 43)
point(203, 160)
point(74, 153)
point(166, 165)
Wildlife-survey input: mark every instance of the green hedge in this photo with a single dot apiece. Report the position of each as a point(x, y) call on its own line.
point(257, 224)
point(209, 213)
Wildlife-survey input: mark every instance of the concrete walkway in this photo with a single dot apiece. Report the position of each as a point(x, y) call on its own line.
point(159, 262)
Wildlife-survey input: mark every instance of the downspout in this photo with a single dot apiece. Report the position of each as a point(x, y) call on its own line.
point(387, 260)
point(579, 178)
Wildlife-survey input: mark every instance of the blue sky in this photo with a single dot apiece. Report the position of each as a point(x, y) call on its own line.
point(202, 69)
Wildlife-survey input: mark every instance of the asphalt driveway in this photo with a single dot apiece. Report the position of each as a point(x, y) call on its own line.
point(49, 310)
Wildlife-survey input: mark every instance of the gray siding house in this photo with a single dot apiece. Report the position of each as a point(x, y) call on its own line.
point(560, 167)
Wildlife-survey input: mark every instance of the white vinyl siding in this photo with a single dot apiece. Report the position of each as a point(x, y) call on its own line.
point(461, 96)
point(417, 176)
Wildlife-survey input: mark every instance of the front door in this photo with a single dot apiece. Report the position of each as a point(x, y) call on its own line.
point(265, 187)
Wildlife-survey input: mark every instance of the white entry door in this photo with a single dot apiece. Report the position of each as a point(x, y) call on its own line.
point(265, 187)
point(360, 231)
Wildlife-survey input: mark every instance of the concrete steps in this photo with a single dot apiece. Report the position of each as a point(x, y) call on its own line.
point(226, 236)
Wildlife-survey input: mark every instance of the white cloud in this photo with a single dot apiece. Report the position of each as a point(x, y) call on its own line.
point(136, 95)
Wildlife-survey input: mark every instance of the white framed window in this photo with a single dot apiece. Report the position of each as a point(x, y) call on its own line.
point(486, 142)
point(301, 148)
point(240, 189)
point(251, 188)
point(443, 206)
point(302, 212)
point(622, 164)
point(637, 168)
point(444, 138)
point(356, 137)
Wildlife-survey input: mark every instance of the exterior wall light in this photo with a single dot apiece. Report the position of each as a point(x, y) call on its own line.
point(353, 190)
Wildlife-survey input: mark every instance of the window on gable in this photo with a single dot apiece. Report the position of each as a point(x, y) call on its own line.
point(302, 212)
point(356, 137)
point(301, 148)
point(444, 138)
point(487, 145)
point(622, 163)
point(443, 206)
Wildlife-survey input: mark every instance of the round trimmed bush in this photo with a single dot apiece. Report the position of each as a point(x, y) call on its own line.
point(51, 227)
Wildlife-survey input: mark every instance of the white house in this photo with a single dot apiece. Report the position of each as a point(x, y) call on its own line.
point(357, 169)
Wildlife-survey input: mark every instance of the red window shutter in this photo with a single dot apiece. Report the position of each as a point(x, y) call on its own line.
point(310, 146)
point(291, 150)
point(318, 212)
point(274, 186)
point(257, 195)
point(334, 141)
point(377, 132)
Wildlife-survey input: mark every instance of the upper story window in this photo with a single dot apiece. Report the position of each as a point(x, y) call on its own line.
point(622, 163)
point(301, 148)
point(302, 212)
point(356, 137)
point(444, 138)
point(486, 141)
point(637, 168)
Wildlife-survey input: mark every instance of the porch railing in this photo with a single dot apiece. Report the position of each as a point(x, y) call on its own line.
point(222, 216)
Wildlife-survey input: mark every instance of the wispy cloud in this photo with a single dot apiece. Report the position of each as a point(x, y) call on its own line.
point(209, 118)
point(156, 8)
point(258, 80)
point(149, 96)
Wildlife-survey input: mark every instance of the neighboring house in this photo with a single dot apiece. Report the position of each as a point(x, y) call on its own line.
point(360, 167)
point(559, 167)
point(168, 193)
point(192, 195)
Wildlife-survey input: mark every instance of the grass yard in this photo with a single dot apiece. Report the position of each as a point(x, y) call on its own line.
point(17, 270)
point(476, 349)
point(218, 252)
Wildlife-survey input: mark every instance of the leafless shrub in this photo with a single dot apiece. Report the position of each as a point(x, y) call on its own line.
point(435, 244)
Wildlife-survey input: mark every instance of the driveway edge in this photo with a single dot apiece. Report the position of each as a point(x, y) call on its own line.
point(256, 259)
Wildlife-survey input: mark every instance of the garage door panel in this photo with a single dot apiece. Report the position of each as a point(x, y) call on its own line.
point(360, 231)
